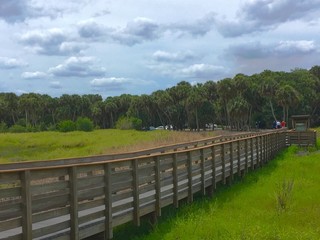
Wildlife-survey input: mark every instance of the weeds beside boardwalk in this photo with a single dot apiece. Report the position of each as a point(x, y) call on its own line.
point(17, 147)
point(279, 201)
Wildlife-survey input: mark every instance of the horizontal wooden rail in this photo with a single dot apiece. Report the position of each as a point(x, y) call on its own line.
point(76, 201)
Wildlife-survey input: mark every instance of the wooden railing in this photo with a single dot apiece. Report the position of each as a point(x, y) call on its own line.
point(110, 157)
point(78, 200)
point(302, 138)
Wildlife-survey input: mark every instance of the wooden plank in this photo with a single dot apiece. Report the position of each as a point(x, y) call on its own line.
point(49, 187)
point(49, 229)
point(9, 193)
point(53, 213)
point(26, 205)
point(74, 218)
point(49, 174)
point(90, 182)
point(10, 224)
point(10, 178)
point(8, 211)
point(50, 202)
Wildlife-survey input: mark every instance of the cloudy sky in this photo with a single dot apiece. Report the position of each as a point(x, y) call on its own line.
point(111, 47)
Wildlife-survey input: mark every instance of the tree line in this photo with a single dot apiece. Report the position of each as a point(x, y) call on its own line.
point(238, 102)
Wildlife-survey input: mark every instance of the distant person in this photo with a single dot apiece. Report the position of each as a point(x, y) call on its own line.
point(278, 124)
point(274, 124)
point(283, 123)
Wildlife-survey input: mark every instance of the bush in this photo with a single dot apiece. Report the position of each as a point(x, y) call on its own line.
point(84, 124)
point(17, 129)
point(3, 127)
point(66, 126)
point(126, 123)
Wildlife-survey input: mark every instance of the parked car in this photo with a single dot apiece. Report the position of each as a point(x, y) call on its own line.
point(160, 128)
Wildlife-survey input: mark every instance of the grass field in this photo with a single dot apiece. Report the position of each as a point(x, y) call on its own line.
point(17, 147)
point(279, 201)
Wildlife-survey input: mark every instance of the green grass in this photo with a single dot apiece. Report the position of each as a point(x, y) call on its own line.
point(51, 145)
point(17, 147)
point(279, 201)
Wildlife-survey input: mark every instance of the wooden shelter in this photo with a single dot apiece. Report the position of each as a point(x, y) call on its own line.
point(300, 122)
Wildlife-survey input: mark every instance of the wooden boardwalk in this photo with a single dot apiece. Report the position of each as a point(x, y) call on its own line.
point(78, 198)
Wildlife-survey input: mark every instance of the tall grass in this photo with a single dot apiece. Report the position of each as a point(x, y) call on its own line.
point(16, 147)
point(279, 201)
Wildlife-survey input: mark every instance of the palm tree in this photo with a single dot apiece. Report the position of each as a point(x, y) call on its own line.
point(287, 97)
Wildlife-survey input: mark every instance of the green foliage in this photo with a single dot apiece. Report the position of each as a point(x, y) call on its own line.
point(3, 127)
point(84, 124)
point(67, 126)
point(284, 194)
point(127, 123)
point(17, 129)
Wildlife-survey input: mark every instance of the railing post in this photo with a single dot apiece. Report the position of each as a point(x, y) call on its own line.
point(203, 187)
point(231, 163)
point(190, 184)
point(260, 150)
point(246, 156)
point(251, 151)
point(175, 181)
point(108, 233)
point(157, 185)
point(74, 222)
point(213, 169)
point(136, 200)
point(258, 164)
point(26, 205)
point(223, 162)
point(239, 156)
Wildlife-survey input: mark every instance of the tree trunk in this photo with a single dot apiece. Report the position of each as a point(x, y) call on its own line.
point(272, 110)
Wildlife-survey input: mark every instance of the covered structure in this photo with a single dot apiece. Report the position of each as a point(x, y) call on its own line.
point(300, 122)
point(301, 134)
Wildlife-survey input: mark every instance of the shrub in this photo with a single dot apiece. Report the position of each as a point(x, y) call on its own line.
point(126, 123)
point(66, 126)
point(84, 124)
point(3, 127)
point(17, 129)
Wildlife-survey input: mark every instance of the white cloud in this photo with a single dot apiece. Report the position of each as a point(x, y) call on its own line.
point(203, 71)
point(257, 50)
point(198, 27)
point(163, 56)
point(262, 15)
point(54, 41)
point(90, 29)
point(33, 75)
point(295, 47)
point(137, 31)
point(55, 85)
point(10, 63)
point(112, 83)
point(78, 67)
point(13, 11)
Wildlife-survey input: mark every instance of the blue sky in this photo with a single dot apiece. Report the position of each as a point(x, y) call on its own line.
point(111, 47)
